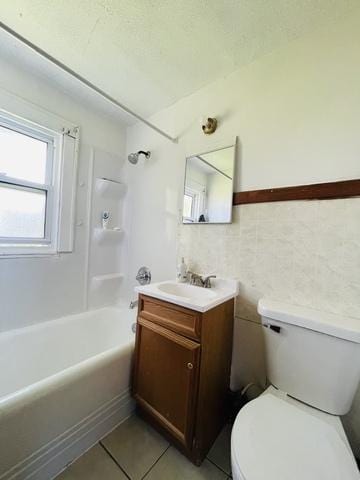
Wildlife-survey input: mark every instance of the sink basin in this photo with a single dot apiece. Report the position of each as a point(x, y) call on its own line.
point(189, 296)
point(186, 291)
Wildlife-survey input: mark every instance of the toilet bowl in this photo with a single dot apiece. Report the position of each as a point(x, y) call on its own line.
point(278, 438)
point(315, 358)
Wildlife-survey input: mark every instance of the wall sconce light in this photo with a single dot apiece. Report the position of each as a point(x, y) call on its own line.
point(209, 126)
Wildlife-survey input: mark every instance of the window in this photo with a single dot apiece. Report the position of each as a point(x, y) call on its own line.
point(188, 206)
point(30, 179)
point(194, 199)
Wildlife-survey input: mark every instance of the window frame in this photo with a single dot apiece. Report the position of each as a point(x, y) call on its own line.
point(13, 246)
point(193, 199)
point(197, 203)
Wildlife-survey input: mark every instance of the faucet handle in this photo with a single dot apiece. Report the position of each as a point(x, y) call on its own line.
point(144, 276)
point(195, 279)
point(207, 281)
point(199, 280)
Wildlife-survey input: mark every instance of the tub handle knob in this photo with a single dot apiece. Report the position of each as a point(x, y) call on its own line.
point(144, 276)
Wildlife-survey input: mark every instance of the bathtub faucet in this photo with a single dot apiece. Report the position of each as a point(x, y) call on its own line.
point(133, 304)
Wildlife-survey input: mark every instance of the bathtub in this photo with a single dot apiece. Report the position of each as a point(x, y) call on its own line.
point(64, 384)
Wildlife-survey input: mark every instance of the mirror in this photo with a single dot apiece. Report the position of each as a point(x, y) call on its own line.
point(208, 191)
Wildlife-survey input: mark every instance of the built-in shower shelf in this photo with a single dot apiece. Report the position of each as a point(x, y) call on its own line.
point(108, 235)
point(109, 280)
point(107, 277)
point(110, 188)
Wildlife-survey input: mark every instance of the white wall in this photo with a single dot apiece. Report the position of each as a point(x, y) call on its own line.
point(219, 196)
point(195, 177)
point(296, 114)
point(37, 289)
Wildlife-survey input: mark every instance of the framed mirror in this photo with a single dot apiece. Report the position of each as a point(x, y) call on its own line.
point(209, 183)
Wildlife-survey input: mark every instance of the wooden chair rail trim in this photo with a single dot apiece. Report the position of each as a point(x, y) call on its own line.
point(316, 191)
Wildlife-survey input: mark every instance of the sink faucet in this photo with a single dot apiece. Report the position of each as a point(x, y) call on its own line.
point(207, 281)
point(199, 281)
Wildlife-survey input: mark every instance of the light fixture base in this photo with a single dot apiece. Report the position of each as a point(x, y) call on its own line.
point(210, 126)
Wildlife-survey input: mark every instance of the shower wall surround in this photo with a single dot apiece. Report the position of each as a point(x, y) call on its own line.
point(53, 286)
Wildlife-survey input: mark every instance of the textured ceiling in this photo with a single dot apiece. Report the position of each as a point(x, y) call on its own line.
point(149, 54)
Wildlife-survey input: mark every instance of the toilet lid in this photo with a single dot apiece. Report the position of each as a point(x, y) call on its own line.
point(274, 440)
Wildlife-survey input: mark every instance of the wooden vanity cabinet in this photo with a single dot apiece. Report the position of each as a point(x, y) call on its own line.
point(182, 371)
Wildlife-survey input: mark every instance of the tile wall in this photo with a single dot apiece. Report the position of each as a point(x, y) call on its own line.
point(302, 252)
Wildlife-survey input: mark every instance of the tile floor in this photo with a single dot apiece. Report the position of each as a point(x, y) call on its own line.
point(135, 451)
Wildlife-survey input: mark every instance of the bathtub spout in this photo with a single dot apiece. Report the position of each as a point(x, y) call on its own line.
point(133, 304)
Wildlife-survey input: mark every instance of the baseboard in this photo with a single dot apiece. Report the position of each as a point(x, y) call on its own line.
point(52, 458)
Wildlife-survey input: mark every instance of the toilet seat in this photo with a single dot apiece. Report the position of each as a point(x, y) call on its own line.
point(273, 439)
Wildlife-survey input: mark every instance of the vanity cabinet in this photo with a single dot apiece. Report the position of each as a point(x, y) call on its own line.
point(182, 371)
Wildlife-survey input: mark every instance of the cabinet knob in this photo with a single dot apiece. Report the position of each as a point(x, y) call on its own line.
point(190, 366)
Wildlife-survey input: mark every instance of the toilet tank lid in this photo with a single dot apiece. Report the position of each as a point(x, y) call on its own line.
point(340, 326)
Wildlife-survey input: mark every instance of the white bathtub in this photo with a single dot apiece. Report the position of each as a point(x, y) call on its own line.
point(63, 385)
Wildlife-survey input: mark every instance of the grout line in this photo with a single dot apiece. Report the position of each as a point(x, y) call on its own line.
point(218, 467)
point(114, 460)
point(152, 466)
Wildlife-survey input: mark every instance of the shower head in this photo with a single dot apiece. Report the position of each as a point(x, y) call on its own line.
point(134, 157)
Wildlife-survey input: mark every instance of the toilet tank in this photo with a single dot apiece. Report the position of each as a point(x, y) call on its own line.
point(311, 355)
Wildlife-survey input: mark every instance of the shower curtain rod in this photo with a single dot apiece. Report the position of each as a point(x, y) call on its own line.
point(84, 81)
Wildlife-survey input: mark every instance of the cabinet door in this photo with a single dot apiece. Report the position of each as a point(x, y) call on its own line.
point(166, 378)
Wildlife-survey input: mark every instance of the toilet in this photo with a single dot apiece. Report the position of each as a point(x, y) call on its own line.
point(293, 430)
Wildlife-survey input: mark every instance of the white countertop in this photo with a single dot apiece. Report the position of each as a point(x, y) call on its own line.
point(190, 296)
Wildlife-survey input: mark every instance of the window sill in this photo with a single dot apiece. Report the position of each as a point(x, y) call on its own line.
point(12, 256)
point(27, 255)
